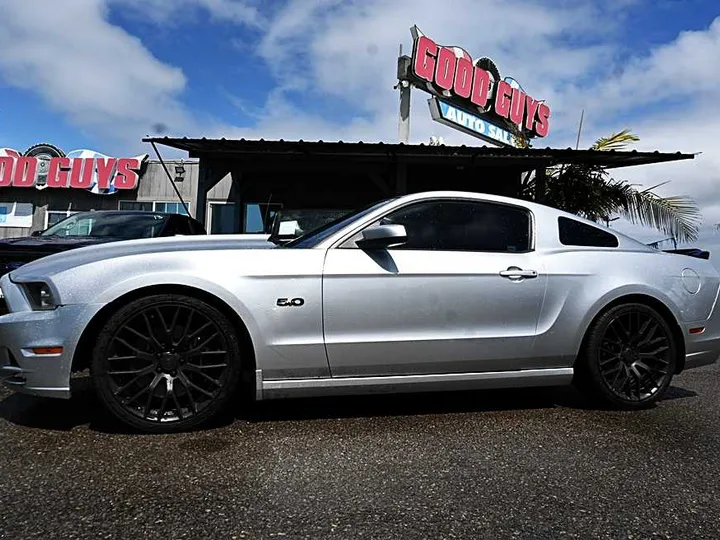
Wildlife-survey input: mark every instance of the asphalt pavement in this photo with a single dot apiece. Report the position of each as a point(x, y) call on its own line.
point(502, 464)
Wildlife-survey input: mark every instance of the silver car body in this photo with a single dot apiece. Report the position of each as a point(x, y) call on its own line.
point(370, 321)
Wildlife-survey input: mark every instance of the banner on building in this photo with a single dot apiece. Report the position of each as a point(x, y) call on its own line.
point(46, 166)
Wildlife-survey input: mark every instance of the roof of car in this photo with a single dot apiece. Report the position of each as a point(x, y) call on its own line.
point(134, 212)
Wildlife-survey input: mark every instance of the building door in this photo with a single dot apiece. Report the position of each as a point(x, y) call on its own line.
point(221, 218)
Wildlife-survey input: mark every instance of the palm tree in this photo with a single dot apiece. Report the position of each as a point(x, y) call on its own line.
point(590, 191)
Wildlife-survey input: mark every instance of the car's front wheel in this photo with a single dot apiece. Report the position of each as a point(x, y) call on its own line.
point(628, 358)
point(166, 363)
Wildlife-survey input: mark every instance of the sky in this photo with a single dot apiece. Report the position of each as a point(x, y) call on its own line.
point(102, 74)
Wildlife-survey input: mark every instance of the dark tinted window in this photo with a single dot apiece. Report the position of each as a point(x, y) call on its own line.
point(464, 226)
point(181, 226)
point(575, 233)
point(116, 225)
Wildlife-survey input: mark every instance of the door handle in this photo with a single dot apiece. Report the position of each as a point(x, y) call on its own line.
point(518, 273)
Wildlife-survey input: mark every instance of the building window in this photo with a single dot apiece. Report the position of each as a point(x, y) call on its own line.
point(16, 214)
point(155, 206)
point(259, 217)
point(136, 206)
point(54, 216)
point(171, 208)
point(222, 218)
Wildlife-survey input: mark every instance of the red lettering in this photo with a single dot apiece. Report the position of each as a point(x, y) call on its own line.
point(127, 177)
point(82, 171)
point(543, 125)
point(481, 87)
point(531, 108)
point(58, 172)
point(425, 53)
point(75, 172)
point(7, 166)
point(517, 106)
point(463, 78)
point(105, 169)
point(25, 170)
point(445, 70)
point(502, 99)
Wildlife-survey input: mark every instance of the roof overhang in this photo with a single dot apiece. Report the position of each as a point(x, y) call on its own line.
point(525, 158)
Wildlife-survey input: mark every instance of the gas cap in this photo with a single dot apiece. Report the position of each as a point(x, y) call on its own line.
point(690, 280)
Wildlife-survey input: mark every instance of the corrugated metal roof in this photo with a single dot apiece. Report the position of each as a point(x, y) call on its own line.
point(529, 157)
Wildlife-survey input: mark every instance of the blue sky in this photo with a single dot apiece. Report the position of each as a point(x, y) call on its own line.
point(102, 74)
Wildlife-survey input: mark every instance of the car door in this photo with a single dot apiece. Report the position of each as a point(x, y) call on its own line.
point(463, 294)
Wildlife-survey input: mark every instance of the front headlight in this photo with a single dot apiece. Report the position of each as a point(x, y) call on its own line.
point(40, 296)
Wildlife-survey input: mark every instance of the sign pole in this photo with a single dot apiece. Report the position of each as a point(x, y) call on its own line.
point(404, 118)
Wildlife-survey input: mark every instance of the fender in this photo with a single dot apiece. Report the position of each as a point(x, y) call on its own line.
point(617, 294)
point(175, 278)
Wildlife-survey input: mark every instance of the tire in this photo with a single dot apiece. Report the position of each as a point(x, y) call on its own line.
point(44, 149)
point(166, 363)
point(628, 358)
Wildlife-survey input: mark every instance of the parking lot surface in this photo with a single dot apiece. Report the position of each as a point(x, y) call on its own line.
point(501, 464)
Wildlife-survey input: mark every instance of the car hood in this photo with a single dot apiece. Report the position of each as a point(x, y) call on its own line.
point(49, 244)
point(60, 262)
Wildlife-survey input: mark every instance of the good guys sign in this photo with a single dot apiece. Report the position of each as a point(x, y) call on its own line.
point(450, 74)
point(80, 169)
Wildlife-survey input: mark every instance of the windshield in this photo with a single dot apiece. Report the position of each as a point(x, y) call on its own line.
point(316, 236)
point(295, 223)
point(127, 226)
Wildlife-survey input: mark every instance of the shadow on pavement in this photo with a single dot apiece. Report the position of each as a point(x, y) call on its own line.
point(85, 409)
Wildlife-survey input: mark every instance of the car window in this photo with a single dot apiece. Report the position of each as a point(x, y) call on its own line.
point(196, 227)
point(182, 226)
point(116, 225)
point(576, 233)
point(463, 226)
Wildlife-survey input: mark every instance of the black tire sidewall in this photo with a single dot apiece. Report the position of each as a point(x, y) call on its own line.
point(98, 367)
point(590, 377)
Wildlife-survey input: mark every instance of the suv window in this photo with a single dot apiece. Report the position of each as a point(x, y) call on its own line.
point(463, 226)
point(181, 226)
point(575, 233)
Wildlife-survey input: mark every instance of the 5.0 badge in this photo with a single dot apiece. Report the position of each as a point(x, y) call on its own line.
point(290, 302)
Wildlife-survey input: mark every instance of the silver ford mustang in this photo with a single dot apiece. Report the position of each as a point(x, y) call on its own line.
point(431, 291)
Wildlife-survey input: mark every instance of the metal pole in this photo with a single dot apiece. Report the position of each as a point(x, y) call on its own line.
point(404, 125)
point(582, 116)
point(404, 118)
point(187, 210)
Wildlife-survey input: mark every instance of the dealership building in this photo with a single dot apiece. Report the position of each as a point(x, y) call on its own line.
point(239, 186)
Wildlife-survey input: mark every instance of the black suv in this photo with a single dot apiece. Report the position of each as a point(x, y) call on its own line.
point(90, 228)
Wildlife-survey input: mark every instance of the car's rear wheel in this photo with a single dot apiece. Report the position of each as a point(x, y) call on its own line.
point(628, 358)
point(166, 363)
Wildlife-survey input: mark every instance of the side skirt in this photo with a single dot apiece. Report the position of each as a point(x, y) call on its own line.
point(274, 389)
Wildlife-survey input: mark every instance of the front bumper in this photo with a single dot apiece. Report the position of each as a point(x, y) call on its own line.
point(47, 374)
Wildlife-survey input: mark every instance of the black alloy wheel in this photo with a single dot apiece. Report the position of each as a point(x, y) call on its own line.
point(166, 363)
point(630, 356)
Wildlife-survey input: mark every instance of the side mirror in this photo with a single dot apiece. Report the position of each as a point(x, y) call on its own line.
point(382, 236)
point(35, 233)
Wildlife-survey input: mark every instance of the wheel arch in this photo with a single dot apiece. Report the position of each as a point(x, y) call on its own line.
point(83, 352)
point(650, 301)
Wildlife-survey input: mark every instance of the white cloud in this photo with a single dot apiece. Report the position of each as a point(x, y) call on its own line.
point(685, 71)
point(97, 75)
point(168, 11)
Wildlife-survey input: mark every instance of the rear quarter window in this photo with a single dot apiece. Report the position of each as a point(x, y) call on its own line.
point(576, 233)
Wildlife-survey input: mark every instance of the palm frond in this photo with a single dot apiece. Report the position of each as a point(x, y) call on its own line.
point(616, 141)
point(676, 216)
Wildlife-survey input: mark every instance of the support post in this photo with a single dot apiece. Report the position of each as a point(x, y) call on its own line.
point(540, 184)
point(404, 119)
point(405, 94)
